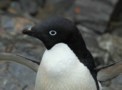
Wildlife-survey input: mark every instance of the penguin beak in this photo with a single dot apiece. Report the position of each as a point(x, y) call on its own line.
point(27, 30)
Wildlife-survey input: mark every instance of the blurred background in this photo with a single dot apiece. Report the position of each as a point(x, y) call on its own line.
point(99, 21)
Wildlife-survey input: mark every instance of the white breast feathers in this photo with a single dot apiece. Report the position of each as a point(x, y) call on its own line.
point(60, 69)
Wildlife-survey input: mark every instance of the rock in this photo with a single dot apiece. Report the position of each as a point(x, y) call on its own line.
point(4, 3)
point(2, 67)
point(21, 22)
point(118, 80)
point(117, 31)
point(7, 22)
point(107, 88)
point(14, 78)
point(15, 8)
point(93, 14)
point(113, 45)
point(110, 72)
point(31, 50)
point(14, 24)
point(29, 6)
point(54, 8)
point(115, 18)
point(117, 83)
point(41, 3)
point(2, 47)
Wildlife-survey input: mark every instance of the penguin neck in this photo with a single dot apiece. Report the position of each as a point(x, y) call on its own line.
point(77, 44)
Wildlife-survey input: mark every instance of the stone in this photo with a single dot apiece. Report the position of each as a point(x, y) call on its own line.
point(6, 22)
point(15, 8)
point(29, 6)
point(113, 45)
point(117, 83)
point(110, 72)
point(2, 47)
point(107, 88)
point(32, 50)
point(14, 24)
point(41, 3)
point(117, 31)
point(118, 80)
point(115, 19)
point(21, 22)
point(93, 14)
point(4, 3)
point(55, 8)
point(13, 78)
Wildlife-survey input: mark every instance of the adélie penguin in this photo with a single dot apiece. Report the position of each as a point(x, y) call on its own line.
point(66, 63)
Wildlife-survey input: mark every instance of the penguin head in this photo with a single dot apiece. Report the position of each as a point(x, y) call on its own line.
point(53, 31)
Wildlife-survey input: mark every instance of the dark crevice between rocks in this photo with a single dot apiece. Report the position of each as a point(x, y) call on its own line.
point(115, 18)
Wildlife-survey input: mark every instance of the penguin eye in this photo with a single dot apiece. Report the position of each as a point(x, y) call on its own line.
point(52, 32)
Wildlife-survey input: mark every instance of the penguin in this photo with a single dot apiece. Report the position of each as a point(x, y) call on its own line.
point(66, 63)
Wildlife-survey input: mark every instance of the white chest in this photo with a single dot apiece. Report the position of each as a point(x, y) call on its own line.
point(60, 69)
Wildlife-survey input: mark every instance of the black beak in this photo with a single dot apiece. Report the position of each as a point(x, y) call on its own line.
point(27, 30)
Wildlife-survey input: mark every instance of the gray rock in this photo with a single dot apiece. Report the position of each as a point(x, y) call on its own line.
point(118, 30)
point(113, 45)
point(117, 80)
point(54, 8)
point(29, 6)
point(4, 3)
point(30, 50)
point(2, 47)
point(94, 14)
point(107, 88)
point(7, 22)
point(16, 77)
point(110, 72)
point(15, 8)
point(41, 3)
point(117, 83)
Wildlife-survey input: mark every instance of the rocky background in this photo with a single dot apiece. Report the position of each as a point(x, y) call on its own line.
point(100, 22)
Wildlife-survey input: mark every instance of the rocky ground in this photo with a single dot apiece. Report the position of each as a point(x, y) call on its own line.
point(91, 18)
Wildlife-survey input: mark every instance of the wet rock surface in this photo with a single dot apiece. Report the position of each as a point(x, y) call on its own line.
point(91, 18)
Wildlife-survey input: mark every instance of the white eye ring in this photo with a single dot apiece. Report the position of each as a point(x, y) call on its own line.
point(52, 32)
